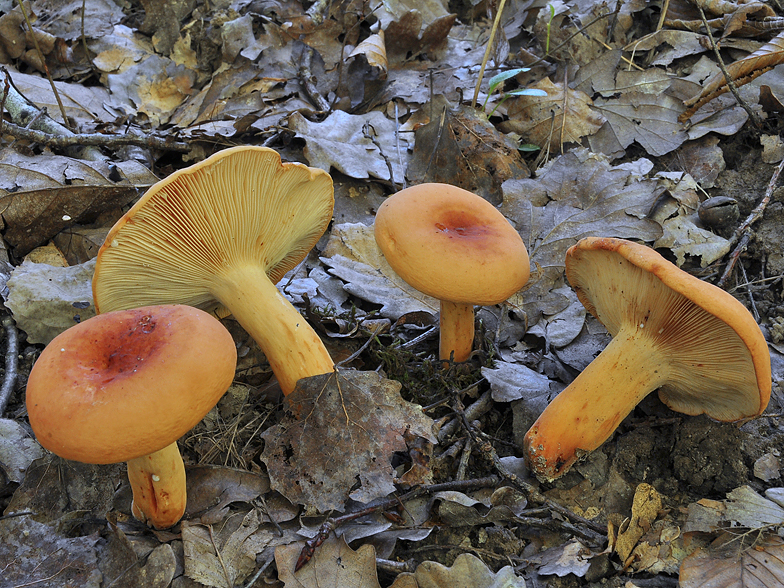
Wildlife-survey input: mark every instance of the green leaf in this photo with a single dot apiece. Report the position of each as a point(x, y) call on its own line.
point(497, 80)
point(527, 92)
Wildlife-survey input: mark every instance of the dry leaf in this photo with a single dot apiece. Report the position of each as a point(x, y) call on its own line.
point(756, 562)
point(541, 120)
point(225, 555)
point(645, 508)
point(374, 51)
point(42, 195)
point(345, 428)
point(468, 571)
point(334, 565)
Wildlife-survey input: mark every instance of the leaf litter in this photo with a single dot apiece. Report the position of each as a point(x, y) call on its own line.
point(378, 98)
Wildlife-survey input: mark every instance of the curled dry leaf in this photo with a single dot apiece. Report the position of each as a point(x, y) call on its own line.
point(344, 428)
point(742, 72)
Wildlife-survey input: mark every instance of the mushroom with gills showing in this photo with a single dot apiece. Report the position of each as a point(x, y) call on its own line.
point(692, 341)
point(455, 246)
point(124, 386)
point(218, 236)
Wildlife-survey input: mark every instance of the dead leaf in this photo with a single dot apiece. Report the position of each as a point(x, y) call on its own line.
point(468, 571)
point(224, 555)
point(346, 142)
point(571, 558)
point(576, 195)
point(645, 509)
point(511, 381)
point(374, 51)
point(334, 564)
point(42, 195)
point(34, 553)
point(649, 119)
point(736, 562)
point(344, 428)
point(18, 449)
point(542, 121)
point(47, 300)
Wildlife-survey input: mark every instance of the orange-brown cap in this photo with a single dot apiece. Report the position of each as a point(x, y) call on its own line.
point(719, 362)
point(126, 384)
point(451, 244)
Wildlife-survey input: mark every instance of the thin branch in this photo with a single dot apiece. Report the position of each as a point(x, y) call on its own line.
point(11, 362)
point(94, 139)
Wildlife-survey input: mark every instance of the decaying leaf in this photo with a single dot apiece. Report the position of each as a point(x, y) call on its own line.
point(541, 120)
point(333, 564)
point(649, 119)
point(468, 571)
point(42, 195)
point(225, 555)
point(571, 558)
point(645, 509)
point(344, 428)
point(577, 195)
point(34, 553)
point(752, 561)
point(18, 449)
point(360, 146)
point(742, 72)
point(47, 300)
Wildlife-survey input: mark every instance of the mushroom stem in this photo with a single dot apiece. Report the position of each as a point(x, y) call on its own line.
point(457, 330)
point(585, 414)
point(292, 347)
point(158, 484)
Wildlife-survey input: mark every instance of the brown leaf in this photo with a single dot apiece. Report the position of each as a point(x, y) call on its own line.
point(345, 427)
point(735, 563)
point(334, 564)
point(742, 72)
point(42, 195)
point(542, 121)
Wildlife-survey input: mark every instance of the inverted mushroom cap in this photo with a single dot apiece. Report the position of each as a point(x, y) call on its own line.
point(241, 206)
point(715, 356)
point(451, 244)
point(126, 384)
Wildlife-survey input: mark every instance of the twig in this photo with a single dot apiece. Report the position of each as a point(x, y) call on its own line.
point(43, 63)
point(11, 362)
point(94, 139)
point(533, 493)
point(23, 113)
point(742, 234)
point(727, 77)
point(487, 51)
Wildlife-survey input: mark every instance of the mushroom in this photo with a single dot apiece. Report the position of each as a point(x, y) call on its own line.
point(124, 386)
point(692, 341)
point(455, 246)
point(218, 236)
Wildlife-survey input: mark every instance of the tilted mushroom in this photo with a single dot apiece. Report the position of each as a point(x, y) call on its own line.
point(692, 341)
point(455, 246)
point(124, 386)
point(218, 236)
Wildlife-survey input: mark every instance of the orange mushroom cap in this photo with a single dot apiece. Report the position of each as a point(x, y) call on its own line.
point(125, 384)
point(451, 244)
point(692, 341)
point(455, 246)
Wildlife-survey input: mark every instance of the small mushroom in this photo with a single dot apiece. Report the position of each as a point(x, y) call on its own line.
point(455, 246)
point(692, 341)
point(124, 386)
point(218, 236)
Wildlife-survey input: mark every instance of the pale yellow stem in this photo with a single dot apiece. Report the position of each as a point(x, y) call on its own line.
point(292, 347)
point(586, 413)
point(158, 484)
point(457, 330)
